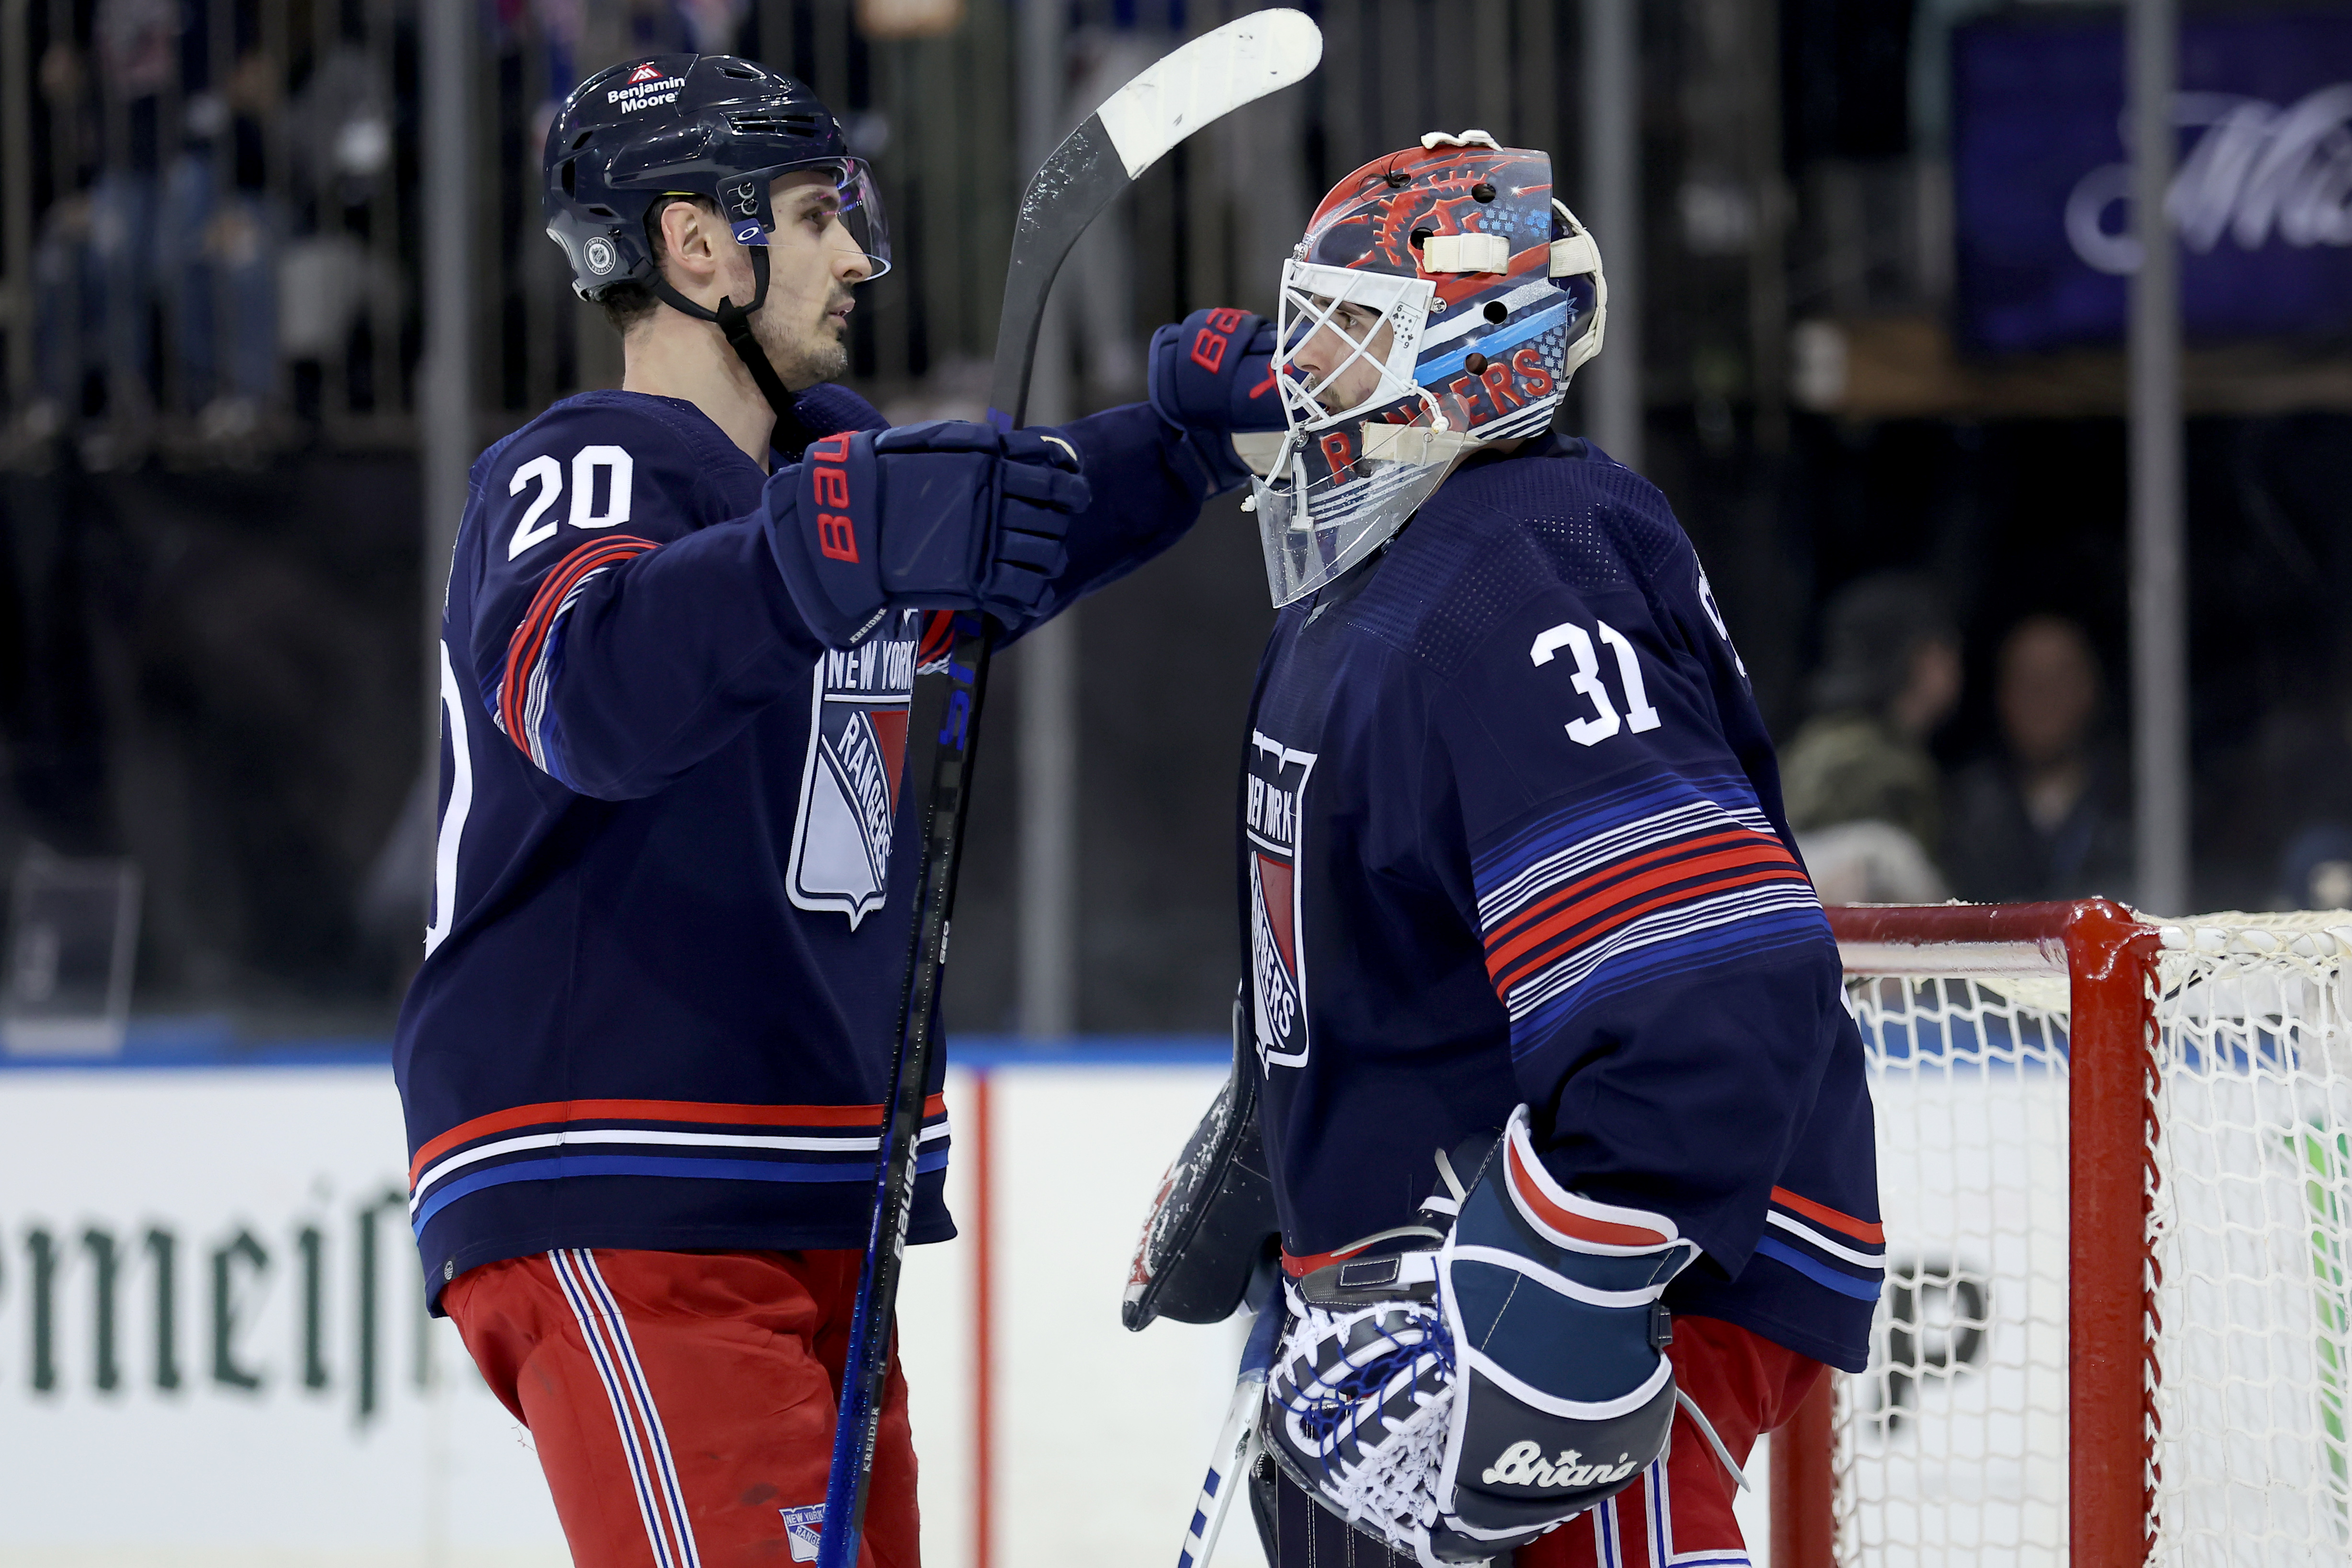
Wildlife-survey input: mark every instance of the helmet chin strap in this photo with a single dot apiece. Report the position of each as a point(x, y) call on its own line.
point(735, 322)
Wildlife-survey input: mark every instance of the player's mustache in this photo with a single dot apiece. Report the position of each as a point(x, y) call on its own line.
point(1317, 385)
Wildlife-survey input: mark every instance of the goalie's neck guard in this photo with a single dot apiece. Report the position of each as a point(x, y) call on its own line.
point(1473, 296)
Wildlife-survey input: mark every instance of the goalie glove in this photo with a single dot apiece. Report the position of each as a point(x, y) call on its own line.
point(1564, 1393)
point(1459, 1402)
point(1213, 1222)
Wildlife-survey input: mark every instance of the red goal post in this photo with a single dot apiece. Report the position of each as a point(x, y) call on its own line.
point(2107, 958)
point(2116, 1165)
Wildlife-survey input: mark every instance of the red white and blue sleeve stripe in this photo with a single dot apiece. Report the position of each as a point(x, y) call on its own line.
point(682, 1141)
point(1829, 1248)
point(519, 695)
point(1655, 881)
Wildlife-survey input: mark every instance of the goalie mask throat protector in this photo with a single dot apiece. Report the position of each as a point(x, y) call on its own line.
point(712, 126)
point(1449, 270)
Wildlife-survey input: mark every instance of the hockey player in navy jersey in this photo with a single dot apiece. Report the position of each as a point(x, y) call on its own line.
point(1566, 1122)
point(644, 1061)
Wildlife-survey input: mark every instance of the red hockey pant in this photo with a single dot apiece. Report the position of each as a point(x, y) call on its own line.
point(682, 1403)
point(1679, 1512)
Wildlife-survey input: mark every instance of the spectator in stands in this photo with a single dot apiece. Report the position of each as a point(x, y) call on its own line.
point(220, 261)
point(1862, 793)
point(2051, 817)
point(70, 329)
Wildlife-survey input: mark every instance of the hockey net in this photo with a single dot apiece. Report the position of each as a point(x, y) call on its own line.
point(2115, 1167)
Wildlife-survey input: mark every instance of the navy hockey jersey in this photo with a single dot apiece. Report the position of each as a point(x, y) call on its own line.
point(1511, 831)
point(660, 995)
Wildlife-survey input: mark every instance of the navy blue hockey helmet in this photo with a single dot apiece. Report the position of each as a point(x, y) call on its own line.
point(706, 125)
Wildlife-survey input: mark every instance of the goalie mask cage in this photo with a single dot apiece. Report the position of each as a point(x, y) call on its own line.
point(2115, 1177)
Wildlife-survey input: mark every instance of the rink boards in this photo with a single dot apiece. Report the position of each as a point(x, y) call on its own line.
point(306, 1412)
point(308, 1426)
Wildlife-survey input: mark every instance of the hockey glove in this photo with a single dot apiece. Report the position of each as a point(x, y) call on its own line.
point(1213, 1222)
point(1563, 1391)
point(1359, 1398)
point(1459, 1402)
point(949, 515)
point(1214, 376)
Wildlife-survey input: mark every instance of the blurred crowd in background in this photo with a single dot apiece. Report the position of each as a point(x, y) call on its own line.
point(1886, 814)
point(1881, 371)
point(2045, 813)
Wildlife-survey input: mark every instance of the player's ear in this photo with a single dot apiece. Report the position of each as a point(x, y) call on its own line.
point(689, 234)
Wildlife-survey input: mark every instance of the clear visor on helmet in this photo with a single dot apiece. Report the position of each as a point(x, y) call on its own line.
point(1366, 444)
point(846, 213)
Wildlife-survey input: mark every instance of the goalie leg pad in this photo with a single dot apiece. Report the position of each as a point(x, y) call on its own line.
point(1563, 1394)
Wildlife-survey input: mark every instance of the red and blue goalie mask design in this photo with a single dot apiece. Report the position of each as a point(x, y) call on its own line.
point(1451, 275)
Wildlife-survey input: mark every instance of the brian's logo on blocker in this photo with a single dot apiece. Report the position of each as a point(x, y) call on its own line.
point(804, 1527)
point(850, 783)
point(1270, 823)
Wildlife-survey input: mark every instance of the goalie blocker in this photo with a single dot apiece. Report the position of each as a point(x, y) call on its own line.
point(1431, 1397)
point(1562, 1393)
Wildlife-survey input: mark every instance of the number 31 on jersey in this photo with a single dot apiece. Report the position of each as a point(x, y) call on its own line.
point(1605, 720)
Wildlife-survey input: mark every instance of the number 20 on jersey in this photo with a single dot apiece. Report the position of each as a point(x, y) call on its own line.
point(548, 475)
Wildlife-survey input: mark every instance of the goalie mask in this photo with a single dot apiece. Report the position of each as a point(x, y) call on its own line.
point(1441, 299)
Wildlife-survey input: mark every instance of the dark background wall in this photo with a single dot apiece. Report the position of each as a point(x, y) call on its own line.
point(214, 673)
point(209, 629)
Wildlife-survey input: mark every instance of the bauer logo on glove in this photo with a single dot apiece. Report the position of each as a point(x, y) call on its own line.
point(1211, 376)
point(828, 476)
point(951, 515)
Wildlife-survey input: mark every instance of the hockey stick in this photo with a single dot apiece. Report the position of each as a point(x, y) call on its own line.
point(1237, 1441)
point(1203, 80)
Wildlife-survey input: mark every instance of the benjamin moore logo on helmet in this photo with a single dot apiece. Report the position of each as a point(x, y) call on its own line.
point(599, 255)
point(646, 87)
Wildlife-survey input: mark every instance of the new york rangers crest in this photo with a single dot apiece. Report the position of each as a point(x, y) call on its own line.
point(1277, 781)
point(856, 764)
point(804, 1529)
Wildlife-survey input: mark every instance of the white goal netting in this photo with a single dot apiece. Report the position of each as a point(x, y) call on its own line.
point(1952, 1448)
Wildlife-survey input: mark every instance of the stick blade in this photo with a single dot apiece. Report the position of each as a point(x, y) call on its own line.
point(1211, 76)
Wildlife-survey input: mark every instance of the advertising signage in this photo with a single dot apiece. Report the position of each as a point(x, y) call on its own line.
point(2261, 202)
